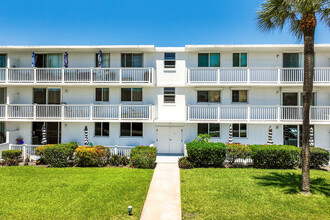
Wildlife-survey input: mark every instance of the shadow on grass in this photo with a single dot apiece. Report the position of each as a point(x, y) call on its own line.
point(291, 182)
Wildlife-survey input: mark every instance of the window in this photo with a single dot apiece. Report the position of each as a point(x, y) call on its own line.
point(290, 60)
point(102, 94)
point(131, 60)
point(169, 95)
point(131, 129)
point(131, 94)
point(208, 96)
point(169, 60)
point(239, 59)
point(51, 60)
point(239, 96)
point(3, 60)
point(105, 60)
point(239, 130)
point(211, 129)
point(209, 60)
point(102, 129)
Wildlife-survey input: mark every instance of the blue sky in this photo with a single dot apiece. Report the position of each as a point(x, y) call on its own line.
point(147, 22)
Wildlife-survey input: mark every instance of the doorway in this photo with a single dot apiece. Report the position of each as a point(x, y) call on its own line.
point(53, 132)
point(169, 140)
point(50, 96)
point(292, 135)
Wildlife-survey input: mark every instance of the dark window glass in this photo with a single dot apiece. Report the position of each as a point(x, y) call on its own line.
point(106, 129)
point(126, 94)
point(137, 94)
point(169, 64)
point(39, 95)
point(98, 94)
point(169, 56)
point(243, 59)
point(131, 60)
point(54, 96)
point(290, 60)
point(125, 129)
point(105, 94)
point(243, 96)
point(137, 60)
point(235, 59)
point(3, 60)
point(235, 96)
point(2, 133)
point(203, 60)
point(98, 129)
point(202, 128)
point(214, 96)
point(169, 95)
point(243, 130)
point(214, 130)
point(214, 59)
point(3, 95)
point(137, 129)
point(202, 96)
point(235, 130)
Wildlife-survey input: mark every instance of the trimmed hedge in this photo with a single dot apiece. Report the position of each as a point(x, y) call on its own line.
point(275, 156)
point(117, 160)
point(11, 157)
point(88, 156)
point(57, 155)
point(237, 151)
point(40, 152)
point(184, 163)
point(143, 157)
point(205, 154)
point(319, 157)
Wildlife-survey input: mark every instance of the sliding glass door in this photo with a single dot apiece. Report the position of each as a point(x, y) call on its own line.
point(53, 132)
point(50, 96)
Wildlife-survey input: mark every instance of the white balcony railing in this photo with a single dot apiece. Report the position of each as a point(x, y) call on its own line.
point(254, 75)
point(76, 112)
point(255, 113)
point(77, 75)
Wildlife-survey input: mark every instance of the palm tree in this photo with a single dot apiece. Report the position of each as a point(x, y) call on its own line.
point(300, 16)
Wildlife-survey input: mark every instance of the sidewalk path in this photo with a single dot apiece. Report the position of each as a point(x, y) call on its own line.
point(163, 199)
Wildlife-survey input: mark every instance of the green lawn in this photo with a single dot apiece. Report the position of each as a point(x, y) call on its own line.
point(72, 193)
point(253, 194)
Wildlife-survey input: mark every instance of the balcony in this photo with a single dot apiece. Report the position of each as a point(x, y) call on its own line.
point(254, 76)
point(76, 75)
point(19, 112)
point(257, 114)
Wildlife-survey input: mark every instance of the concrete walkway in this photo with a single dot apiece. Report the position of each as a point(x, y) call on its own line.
point(163, 199)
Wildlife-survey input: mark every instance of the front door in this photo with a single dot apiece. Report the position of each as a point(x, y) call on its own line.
point(169, 140)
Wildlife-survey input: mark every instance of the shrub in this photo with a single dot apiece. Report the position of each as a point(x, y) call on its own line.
point(235, 151)
point(117, 160)
point(57, 155)
point(202, 138)
point(11, 157)
point(40, 152)
point(184, 163)
point(87, 156)
point(143, 157)
point(275, 156)
point(319, 157)
point(204, 154)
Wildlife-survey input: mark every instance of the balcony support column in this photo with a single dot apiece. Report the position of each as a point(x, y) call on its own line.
point(91, 112)
point(279, 75)
point(62, 75)
point(6, 75)
point(278, 117)
point(34, 75)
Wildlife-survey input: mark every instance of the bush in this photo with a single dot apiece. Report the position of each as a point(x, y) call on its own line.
point(275, 156)
point(319, 157)
point(57, 155)
point(204, 154)
point(117, 160)
point(184, 163)
point(143, 157)
point(87, 156)
point(11, 157)
point(235, 151)
point(40, 152)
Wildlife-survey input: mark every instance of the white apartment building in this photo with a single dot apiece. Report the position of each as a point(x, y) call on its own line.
point(142, 95)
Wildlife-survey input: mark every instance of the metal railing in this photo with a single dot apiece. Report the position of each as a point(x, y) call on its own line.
point(254, 113)
point(76, 112)
point(254, 75)
point(77, 75)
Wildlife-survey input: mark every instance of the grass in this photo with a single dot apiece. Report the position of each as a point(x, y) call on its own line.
point(253, 194)
point(72, 193)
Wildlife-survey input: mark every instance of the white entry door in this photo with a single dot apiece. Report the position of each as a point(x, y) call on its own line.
point(169, 140)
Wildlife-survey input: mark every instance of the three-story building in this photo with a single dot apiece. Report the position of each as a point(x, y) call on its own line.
point(166, 96)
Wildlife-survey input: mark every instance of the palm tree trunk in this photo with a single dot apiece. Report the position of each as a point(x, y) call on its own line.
point(307, 98)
